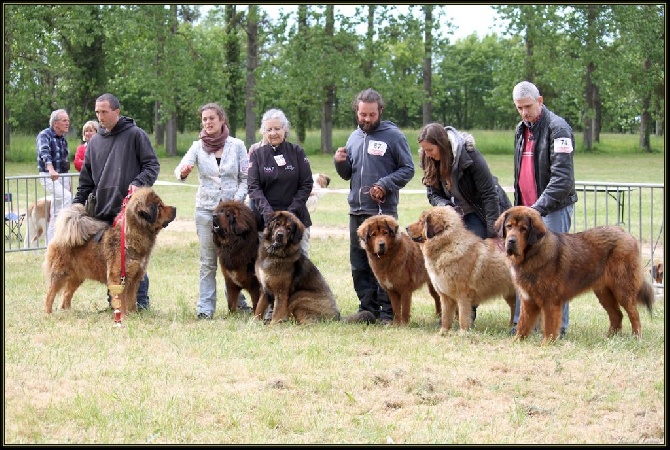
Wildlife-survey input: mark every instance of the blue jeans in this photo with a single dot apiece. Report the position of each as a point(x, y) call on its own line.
point(208, 262)
point(558, 222)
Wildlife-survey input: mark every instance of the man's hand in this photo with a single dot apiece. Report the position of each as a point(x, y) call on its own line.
point(378, 193)
point(131, 188)
point(52, 172)
point(341, 154)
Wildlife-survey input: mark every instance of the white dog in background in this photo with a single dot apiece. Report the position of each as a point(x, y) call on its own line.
point(39, 214)
point(321, 181)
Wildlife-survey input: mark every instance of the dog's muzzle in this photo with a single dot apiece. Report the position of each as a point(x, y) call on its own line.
point(511, 246)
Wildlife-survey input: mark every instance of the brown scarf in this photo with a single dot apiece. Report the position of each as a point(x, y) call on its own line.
point(212, 144)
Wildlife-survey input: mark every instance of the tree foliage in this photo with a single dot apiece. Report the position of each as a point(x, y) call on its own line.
point(599, 66)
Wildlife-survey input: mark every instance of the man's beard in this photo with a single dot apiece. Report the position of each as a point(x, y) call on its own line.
point(367, 127)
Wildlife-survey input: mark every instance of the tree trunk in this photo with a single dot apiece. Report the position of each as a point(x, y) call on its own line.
point(171, 142)
point(250, 86)
point(367, 61)
point(303, 113)
point(329, 91)
point(232, 58)
point(159, 128)
point(428, 65)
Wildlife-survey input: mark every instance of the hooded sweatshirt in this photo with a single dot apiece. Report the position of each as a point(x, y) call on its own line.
point(381, 157)
point(114, 160)
point(474, 181)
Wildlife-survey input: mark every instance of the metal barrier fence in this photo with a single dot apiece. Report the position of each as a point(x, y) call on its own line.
point(637, 207)
point(24, 192)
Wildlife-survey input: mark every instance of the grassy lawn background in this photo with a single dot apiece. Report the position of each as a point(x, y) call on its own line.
point(166, 378)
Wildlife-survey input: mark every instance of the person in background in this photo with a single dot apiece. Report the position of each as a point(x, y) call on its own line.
point(377, 162)
point(52, 161)
point(119, 159)
point(280, 178)
point(456, 174)
point(222, 163)
point(544, 176)
point(90, 128)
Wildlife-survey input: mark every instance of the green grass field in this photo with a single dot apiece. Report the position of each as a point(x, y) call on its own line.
point(166, 378)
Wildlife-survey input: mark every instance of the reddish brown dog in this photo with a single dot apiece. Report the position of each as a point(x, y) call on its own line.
point(550, 269)
point(84, 248)
point(397, 263)
point(235, 235)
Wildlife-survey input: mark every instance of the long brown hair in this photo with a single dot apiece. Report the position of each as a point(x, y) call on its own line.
point(435, 171)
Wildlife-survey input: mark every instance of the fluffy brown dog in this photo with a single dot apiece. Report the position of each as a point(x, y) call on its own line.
point(552, 268)
point(84, 248)
point(289, 277)
point(465, 269)
point(397, 263)
point(39, 214)
point(235, 236)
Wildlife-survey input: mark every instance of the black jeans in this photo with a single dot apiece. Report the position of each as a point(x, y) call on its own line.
point(371, 295)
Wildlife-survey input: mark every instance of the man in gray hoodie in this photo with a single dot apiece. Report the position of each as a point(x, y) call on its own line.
point(377, 162)
point(119, 159)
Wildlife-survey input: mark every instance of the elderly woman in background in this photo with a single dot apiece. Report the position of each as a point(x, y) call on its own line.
point(222, 163)
point(90, 128)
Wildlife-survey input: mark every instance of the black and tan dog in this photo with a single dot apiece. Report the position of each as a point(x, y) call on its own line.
point(289, 278)
point(550, 269)
point(235, 235)
point(74, 255)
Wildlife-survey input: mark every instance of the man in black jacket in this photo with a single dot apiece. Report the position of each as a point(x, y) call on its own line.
point(544, 176)
point(119, 159)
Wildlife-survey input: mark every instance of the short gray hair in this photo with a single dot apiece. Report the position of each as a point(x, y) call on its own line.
point(525, 89)
point(276, 114)
point(55, 116)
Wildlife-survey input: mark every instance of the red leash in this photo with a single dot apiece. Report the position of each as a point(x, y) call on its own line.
point(121, 218)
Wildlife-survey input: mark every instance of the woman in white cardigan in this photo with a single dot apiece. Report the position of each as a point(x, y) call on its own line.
point(222, 163)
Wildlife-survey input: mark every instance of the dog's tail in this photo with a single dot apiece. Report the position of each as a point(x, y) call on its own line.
point(646, 295)
point(74, 227)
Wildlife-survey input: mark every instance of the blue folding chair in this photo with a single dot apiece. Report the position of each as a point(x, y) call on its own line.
point(13, 220)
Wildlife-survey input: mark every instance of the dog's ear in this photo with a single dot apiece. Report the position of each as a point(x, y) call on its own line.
point(500, 225)
point(433, 227)
point(536, 229)
point(362, 232)
point(296, 232)
point(150, 214)
point(393, 229)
